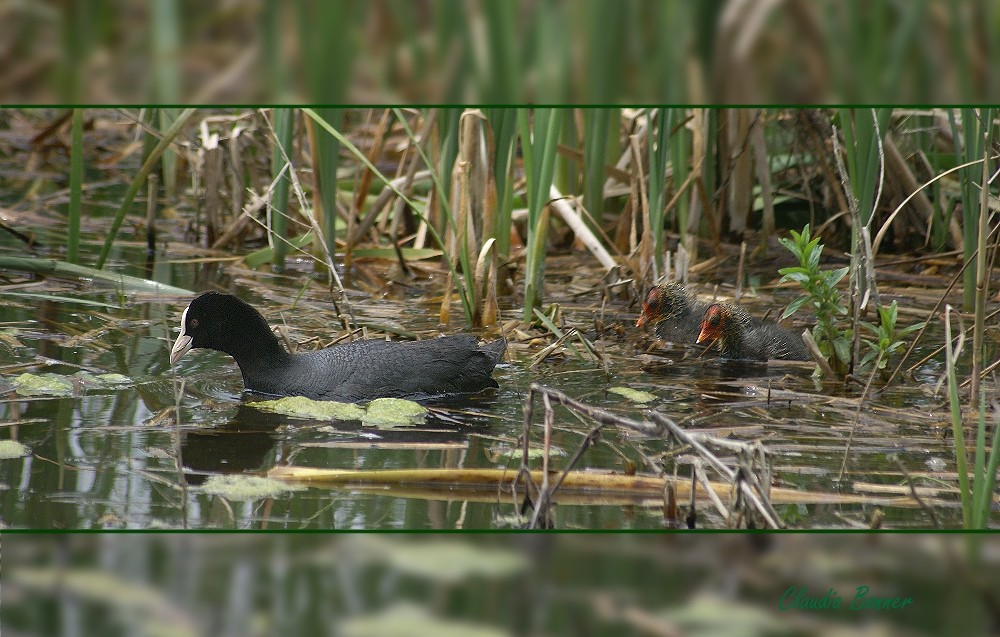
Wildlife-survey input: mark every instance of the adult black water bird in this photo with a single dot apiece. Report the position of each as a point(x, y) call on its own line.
point(350, 372)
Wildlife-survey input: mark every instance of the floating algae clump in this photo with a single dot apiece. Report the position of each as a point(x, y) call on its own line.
point(239, 487)
point(303, 407)
point(381, 412)
point(393, 412)
point(104, 380)
point(59, 385)
point(43, 385)
point(12, 449)
point(633, 395)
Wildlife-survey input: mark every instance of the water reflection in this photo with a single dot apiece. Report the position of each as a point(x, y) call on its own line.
point(109, 458)
point(244, 444)
point(247, 441)
point(495, 584)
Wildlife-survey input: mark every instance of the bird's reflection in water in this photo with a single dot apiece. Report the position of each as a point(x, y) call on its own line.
point(244, 444)
point(247, 442)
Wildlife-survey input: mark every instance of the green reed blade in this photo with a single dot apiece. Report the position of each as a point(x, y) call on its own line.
point(284, 126)
point(75, 188)
point(133, 189)
point(596, 124)
point(658, 153)
point(957, 430)
point(504, 124)
point(539, 144)
point(328, 150)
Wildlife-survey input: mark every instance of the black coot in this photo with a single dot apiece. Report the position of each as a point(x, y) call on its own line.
point(349, 372)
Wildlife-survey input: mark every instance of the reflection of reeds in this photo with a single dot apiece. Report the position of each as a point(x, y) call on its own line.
point(466, 584)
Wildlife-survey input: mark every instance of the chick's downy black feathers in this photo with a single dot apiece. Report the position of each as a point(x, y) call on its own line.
point(744, 337)
point(674, 313)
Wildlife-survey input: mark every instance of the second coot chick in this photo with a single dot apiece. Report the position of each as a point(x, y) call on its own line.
point(745, 338)
point(675, 314)
point(350, 372)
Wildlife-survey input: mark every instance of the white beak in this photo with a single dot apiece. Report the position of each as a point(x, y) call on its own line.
point(183, 342)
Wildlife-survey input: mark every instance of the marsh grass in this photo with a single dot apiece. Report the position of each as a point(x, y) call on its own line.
point(325, 151)
point(539, 132)
point(169, 135)
point(284, 126)
point(977, 494)
point(475, 189)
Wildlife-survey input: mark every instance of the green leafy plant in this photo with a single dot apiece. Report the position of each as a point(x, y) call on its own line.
point(886, 340)
point(977, 493)
point(821, 294)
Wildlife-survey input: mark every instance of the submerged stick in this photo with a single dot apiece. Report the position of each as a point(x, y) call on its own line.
point(466, 483)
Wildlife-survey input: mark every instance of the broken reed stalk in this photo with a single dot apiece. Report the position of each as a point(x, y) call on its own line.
point(698, 472)
point(543, 501)
point(573, 219)
point(748, 485)
point(757, 495)
point(524, 473)
point(579, 487)
point(818, 358)
point(643, 246)
point(915, 494)
point(544, 496)
point(756, 468)
point(235, 228)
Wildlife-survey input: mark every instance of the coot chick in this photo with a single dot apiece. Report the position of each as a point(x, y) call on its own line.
point(350, 372)
point(675, 314)
point(746, 338)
